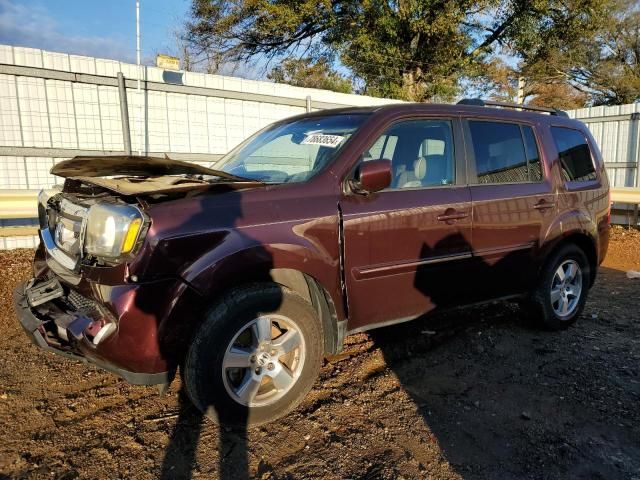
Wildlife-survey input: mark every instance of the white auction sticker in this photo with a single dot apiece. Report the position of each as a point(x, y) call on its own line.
point(325, 140)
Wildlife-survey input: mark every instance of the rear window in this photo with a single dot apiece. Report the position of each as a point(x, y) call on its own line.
point(505, 152)
point(575, 156)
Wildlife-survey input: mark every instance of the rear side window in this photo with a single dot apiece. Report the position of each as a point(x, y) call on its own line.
point(575, 156)
point(505, 152)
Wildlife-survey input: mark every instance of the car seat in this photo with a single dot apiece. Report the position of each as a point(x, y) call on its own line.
point(413, 178)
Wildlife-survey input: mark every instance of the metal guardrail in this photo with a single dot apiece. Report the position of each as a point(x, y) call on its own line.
point(625, 195)
point(630, 195)
point(23, 204)
point(15, 204)
point(15, 151)
point(18, 231)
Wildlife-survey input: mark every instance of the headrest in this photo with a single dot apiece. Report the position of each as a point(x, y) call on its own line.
point(420, 168)
point(438, 133)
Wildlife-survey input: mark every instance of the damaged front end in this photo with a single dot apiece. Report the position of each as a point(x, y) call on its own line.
point(83, 301)
point(62, 321)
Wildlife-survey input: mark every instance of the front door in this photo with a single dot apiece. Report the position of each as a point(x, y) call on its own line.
point(405, 248)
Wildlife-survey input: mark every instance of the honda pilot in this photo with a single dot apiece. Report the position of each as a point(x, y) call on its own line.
point(246, 275)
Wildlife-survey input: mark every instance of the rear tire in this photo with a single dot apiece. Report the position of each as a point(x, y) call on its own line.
point(562, 291)
point(255, 357)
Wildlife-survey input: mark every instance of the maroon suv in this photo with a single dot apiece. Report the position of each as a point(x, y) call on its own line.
point(316, 227)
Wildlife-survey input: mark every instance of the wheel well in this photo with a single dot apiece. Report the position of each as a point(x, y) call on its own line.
point(587, 245)
point(311, 290)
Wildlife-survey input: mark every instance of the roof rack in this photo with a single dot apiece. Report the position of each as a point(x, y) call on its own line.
point(478, 102)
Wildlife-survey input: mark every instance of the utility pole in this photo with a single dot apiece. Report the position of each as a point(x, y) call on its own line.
point(139, 77)
point(124, 113)
point(520, 99)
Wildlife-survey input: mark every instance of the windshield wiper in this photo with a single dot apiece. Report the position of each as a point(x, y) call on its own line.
point(231, 177)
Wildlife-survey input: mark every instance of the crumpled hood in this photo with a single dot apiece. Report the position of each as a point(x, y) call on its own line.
point(128, 165)
point(140, 175)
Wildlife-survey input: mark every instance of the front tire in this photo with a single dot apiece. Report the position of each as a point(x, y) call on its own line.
point(255, 357)
point(562, 291)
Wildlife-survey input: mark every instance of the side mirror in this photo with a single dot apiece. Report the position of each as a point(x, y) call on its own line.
point(372, 176)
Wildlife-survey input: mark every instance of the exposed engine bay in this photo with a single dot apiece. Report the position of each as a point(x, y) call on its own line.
point(98, 216)
point(141, 175)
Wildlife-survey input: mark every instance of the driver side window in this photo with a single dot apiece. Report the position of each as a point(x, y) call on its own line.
point(421, 153)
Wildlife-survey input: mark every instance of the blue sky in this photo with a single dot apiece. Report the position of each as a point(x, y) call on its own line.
point(97, 28)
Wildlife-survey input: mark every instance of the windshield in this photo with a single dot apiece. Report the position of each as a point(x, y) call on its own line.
point(292, 151)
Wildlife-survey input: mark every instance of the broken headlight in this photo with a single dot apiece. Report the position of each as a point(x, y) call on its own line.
point(112, 230)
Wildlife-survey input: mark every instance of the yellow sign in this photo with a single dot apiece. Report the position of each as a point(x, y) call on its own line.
point(167, 62)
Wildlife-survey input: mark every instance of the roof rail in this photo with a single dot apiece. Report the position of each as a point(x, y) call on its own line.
point(478, 102)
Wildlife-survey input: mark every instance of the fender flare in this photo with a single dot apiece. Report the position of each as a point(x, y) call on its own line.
point(314, 277)
point(573, 226)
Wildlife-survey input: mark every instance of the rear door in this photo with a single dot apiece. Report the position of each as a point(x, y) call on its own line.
point(513, 204)
point(405, 248)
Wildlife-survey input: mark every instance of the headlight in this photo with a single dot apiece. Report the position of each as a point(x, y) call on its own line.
point(112, 230)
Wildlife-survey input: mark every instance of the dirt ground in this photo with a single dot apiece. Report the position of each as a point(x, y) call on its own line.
point(477, 394)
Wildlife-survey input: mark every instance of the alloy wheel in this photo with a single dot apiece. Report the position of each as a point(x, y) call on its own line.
point(263, 360)
point(566, 289)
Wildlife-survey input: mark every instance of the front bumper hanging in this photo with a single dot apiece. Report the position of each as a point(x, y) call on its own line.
point(47, 324)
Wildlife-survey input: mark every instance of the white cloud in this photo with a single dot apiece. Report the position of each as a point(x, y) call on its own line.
point(34, 27)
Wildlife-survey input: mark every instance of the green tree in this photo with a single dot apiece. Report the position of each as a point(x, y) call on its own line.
point(600, 59)
point(304, 72)
point(500, 82)
point(410, 49)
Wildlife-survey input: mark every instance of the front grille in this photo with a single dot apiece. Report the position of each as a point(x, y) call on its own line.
point(62, 223)
point(69, 220)
point(80, 302)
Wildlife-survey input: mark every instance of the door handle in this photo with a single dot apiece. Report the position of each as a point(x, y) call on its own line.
point(452, 215)
point(543, 205)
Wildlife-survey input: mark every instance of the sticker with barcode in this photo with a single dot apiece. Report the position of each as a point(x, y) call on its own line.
point(321, 139)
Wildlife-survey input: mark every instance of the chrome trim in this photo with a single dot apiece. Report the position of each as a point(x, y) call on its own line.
point(487, 252)
point(360, 273)
point(67, 212)
point(56, 253)
point(73, 212)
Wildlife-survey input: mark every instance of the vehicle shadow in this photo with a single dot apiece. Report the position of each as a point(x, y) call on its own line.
point(180, 455)
point(223, 212)
point(458, 391)
point(180, 459)
point(443, 363)
point(500, 394)
point(432, 361)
